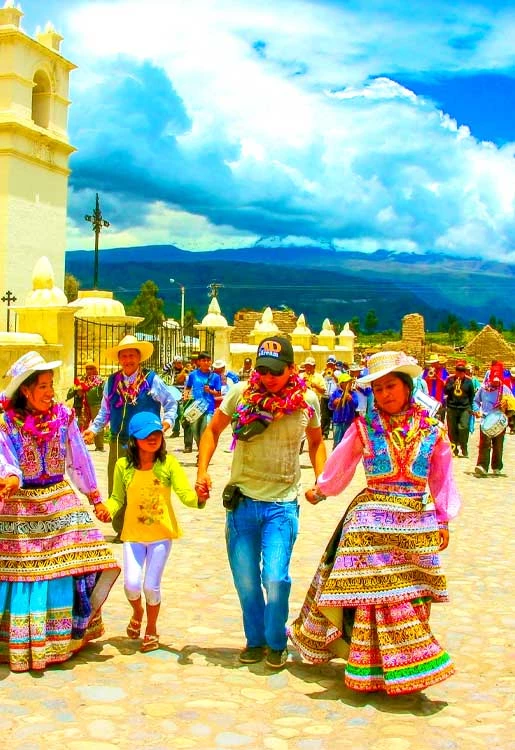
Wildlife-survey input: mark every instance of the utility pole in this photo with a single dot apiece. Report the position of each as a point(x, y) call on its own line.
point(9, 298)
point(98, 221)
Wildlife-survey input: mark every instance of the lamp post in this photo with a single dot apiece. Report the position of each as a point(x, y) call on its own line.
point(183, 289)
point(98, 221)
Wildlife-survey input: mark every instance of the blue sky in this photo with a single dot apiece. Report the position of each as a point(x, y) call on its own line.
point(363, 125)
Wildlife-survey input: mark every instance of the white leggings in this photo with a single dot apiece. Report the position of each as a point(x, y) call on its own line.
point(134, 556)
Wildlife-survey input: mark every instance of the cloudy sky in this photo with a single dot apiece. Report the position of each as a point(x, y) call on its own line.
point(362, 124)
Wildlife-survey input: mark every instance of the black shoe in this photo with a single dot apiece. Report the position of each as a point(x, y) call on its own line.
point(276, 659)
point(188, 449)
point(117, 539)
point(465, 454)
point(252, 654)
point(175, 434)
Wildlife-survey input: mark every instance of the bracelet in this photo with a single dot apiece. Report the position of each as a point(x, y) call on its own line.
point(95, 498)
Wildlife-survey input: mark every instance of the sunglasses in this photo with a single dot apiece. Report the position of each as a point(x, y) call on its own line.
point(267, 371)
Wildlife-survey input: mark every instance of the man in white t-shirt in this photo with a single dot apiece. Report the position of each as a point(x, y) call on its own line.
point(261, 499)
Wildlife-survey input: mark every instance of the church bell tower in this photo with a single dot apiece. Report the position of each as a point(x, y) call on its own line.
point(34, 152)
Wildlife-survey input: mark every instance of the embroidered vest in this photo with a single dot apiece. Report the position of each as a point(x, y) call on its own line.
point(121, 415)
point(40, 464)
point(394, 468)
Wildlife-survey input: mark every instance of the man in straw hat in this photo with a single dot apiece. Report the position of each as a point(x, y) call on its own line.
point(126, 392)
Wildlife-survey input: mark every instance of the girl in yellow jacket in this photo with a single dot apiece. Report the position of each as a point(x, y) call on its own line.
point(142, 495)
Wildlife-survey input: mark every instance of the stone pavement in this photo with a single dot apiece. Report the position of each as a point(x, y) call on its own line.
point(193, 693)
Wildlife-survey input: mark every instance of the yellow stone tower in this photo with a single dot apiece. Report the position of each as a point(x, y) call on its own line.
point(34, 152)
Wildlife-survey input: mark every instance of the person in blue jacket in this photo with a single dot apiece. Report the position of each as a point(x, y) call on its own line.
point(343, 404)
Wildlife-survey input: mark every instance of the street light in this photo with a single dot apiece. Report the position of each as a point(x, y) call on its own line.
point(183, 288)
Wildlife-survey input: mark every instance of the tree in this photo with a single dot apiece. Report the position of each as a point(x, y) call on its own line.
point(371, 322)
point(148, 306)
point(455, 332)
point(450, 321)
point(355, 325)
point(496, 323)
point(71, 287)
point(190, 318)
point(473, 326)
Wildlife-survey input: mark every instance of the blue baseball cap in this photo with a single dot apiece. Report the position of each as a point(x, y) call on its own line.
point(143, 424)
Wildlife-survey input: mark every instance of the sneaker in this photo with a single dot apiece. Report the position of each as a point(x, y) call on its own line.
point(276, 659)
point(496, 472)
point(252, 654)
point(480, 472)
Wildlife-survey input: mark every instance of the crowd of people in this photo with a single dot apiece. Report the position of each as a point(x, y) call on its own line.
point(459, 399)
point(370, 598)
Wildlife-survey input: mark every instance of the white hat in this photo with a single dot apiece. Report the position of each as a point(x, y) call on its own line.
point(145, 348)
point(310, 361)
point(219, 364)
point(384, 363)
point(26, 366)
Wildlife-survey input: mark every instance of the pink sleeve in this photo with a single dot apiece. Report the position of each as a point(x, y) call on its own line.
point(441, 482)
point(78, 461)
point(341, 464)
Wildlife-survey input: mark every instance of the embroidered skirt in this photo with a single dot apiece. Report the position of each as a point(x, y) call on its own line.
point(370, 598)
point(55, 573)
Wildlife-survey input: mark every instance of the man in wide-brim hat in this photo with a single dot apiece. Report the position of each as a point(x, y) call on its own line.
point(126, 392)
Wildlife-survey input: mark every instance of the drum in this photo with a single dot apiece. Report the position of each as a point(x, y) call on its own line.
point(195, 410)
point(494, 423)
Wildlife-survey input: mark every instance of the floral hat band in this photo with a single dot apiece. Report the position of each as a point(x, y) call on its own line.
point(384, 363)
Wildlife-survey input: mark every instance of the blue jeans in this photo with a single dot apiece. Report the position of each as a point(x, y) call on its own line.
point(197, 429)
point(260, 538)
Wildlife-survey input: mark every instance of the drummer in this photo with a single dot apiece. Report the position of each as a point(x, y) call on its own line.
point(493, 396)
point(174, 375)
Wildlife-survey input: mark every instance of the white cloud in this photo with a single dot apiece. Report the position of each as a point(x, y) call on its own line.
point(308, 141)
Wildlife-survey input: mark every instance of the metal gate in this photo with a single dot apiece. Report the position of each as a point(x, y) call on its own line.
point(92, 339)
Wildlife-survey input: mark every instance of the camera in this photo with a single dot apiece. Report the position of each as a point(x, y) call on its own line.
point(231, 496)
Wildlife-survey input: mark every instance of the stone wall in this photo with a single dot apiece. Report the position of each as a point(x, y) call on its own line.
point(413, 335)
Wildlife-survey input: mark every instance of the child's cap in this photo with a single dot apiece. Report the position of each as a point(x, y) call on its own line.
point(344, 377)
point(143, 424)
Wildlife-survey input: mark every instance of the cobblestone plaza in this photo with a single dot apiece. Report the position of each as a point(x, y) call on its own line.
point(193, 692)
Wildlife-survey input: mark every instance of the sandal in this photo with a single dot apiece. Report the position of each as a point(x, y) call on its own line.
point(134, 628)
point(150, 643)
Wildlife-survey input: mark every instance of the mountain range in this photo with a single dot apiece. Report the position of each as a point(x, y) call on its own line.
point(319, 282)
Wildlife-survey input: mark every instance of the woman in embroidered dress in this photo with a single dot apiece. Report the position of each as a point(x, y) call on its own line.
point(370, 599)
point(55, 568)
